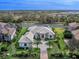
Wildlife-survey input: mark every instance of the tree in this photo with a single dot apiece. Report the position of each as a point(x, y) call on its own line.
point(8, 18)
point(67, 34)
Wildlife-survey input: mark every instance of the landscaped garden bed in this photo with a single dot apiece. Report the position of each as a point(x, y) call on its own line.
point(34, 53)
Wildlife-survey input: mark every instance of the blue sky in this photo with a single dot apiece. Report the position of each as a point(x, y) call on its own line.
point(39, 4)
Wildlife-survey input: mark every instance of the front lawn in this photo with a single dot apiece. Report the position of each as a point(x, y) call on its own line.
point(60, 37)
point(58, 46)
point(33, 53)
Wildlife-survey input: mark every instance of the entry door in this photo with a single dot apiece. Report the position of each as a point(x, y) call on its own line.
point(42, 36)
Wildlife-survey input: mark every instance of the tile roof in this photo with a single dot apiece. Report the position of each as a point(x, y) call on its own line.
point(27, 37)
point(76, 34)
point(4, 28)
point(41, 29)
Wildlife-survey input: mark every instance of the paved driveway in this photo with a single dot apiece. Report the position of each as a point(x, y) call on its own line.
point(43, 51)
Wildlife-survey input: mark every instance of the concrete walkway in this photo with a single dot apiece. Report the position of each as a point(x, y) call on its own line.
point(43, 51)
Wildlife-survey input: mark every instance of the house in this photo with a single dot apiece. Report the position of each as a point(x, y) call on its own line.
point(73, 26)
point(7, 32)
point(43, 32)
point(34, 32)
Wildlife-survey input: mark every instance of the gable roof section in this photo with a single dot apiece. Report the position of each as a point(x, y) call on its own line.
point(26, 38)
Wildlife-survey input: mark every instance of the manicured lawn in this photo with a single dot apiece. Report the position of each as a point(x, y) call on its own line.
point(32, 54)
point(59, 46)
point(54, 49)
point(58, 30)
point(11, 49)
point(60, 37)
point(24, 57)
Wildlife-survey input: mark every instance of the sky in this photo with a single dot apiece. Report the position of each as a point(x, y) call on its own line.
point(39, 4)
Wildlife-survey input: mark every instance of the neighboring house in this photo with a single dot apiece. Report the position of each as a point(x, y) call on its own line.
point(73, 26)
point(7, 32)
point(35, 32)
point(76, 34)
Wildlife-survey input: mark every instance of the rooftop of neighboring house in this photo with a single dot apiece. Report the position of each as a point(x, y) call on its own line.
point(76, 34)
point(6, 28)
point(74, 24)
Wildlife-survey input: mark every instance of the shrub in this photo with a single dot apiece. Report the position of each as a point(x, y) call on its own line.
point(67, 34)
point(22, 54)
point(3, 49)
point(57, 55)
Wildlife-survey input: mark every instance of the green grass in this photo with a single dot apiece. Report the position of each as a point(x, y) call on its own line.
point(58, 30)
point(59, 45)
point(26, 51)
point(60, 37)
point(24, 57)
point(12, 47)
point(21, 32)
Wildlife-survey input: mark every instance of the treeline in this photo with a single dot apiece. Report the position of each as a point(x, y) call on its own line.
point(40, 17)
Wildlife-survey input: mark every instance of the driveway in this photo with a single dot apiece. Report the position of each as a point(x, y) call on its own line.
point(43, 51)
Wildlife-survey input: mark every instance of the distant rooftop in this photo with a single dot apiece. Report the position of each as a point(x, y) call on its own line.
point(7, 28)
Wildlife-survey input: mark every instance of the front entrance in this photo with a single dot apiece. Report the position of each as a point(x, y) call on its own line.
point(42, 36)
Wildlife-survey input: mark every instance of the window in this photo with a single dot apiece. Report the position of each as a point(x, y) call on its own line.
point(25, 44)
point(50, 36)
